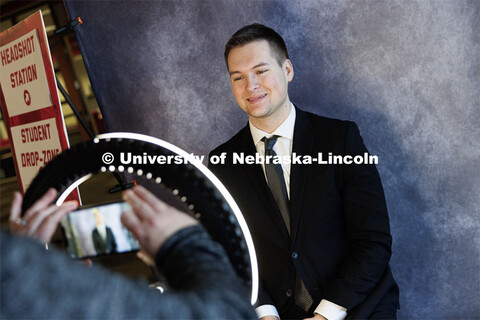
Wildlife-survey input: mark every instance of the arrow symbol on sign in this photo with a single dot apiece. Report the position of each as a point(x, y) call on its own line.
point(26, 97)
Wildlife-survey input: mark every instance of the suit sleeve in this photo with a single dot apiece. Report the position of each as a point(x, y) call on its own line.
point(113, 240)
point(367, 227)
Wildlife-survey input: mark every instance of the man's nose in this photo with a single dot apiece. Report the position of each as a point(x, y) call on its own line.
point(252, 83)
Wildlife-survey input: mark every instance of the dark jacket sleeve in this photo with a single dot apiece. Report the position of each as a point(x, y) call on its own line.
point(367, 225)
point(41, 284)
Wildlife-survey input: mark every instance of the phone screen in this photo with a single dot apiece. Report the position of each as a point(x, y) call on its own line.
point(97, 230)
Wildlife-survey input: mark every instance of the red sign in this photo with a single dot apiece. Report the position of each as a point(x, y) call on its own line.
point(30, 102)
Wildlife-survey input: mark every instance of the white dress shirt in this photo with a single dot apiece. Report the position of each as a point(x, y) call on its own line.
point(102, 231)
point(283, 147)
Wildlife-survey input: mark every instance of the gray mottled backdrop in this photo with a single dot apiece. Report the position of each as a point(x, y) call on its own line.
point(406, 71)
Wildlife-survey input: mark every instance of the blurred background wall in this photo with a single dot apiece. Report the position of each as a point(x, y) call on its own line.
point(406, 71)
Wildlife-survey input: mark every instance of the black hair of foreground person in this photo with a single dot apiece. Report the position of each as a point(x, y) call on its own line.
point(36, 283)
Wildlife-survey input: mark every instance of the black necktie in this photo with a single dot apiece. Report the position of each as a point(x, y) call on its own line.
point(276, 183)
point(275, 180)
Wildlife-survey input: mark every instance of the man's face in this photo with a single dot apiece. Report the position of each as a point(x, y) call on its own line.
point(98, 217)
point(259, 83)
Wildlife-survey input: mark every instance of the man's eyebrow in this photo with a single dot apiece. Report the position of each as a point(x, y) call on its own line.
point(261, 64)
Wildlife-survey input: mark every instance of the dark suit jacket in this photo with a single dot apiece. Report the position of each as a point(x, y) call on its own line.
point(340, 241)
point(109, 245)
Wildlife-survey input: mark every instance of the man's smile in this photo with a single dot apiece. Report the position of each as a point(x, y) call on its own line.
point(256, 99)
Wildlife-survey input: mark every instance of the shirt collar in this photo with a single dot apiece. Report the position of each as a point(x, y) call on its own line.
point(285, 130)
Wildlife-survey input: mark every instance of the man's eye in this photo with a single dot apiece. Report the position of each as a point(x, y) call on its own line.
point(262, 71)
point(237, 78)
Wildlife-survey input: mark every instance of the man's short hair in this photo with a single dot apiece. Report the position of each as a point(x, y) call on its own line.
point(255, 32)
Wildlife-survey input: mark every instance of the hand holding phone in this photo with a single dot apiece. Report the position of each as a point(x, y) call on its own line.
point(97, 230)
point(92, 231)
point(151, 220)
point(41, 220)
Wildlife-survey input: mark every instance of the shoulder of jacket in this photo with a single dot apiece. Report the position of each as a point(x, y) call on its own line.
point(230, 145)
point(326, 123)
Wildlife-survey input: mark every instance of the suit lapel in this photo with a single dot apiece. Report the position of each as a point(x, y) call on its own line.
point(302, 145)
point(256, 176)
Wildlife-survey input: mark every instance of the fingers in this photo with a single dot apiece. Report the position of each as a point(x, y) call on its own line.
point(152, 221)
point(34, 222)
point(150, 198)
point(41, 220)
point(141, 208)
point(17, 224)
point(132, 223)
point(16, 210)
point(41, 203)
point(144, 204)
point(49, 223)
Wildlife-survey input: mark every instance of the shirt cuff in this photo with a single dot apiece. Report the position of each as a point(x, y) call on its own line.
point(267, 310)
point(331, 311)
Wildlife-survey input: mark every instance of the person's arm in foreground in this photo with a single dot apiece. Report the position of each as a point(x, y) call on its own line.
point(45, 284)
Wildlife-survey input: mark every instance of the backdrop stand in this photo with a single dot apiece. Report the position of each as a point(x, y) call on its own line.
point(122, 183)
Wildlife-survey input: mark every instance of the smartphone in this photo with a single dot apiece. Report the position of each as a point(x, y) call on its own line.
point(92, 231)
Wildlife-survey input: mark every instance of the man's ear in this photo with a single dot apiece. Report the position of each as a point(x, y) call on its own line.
point(288, 68)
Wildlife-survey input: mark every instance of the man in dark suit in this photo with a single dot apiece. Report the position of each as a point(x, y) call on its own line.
point(102, 236)
point(321, 230)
